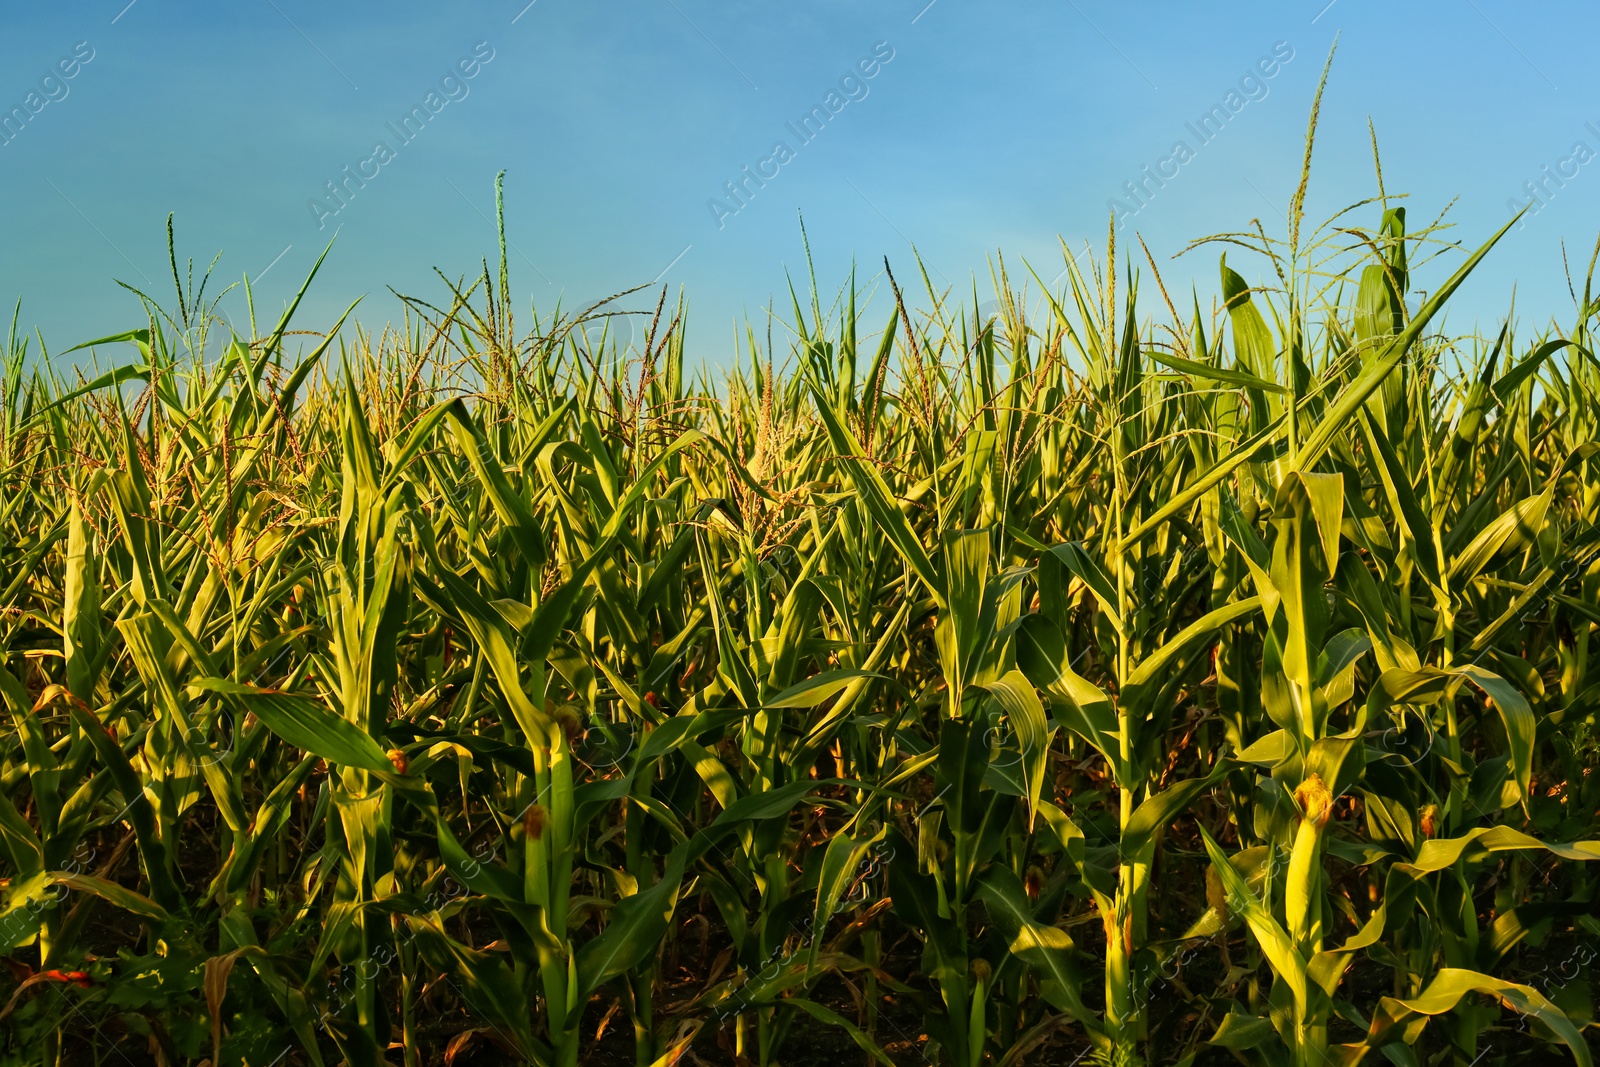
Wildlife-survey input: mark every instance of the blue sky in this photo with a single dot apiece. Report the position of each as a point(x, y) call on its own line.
point(983, 127)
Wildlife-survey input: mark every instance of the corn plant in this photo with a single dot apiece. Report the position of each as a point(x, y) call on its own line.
point(1077, 682)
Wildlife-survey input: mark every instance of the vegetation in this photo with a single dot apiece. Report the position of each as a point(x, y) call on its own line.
point(1193, 688)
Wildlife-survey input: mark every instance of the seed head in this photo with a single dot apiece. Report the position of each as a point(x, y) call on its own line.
point(569, 721)
point(1315, 799)
point(533, 822)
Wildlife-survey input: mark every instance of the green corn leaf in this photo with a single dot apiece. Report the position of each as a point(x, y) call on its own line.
point(1252, 341)
point(1506, 386)
point(1334, 421)
point(271, 816)
point(488, 984)
point(513, 511)
point(1216, 374)
point(1173, 657)
point(815, 690)
point(840, 861)
point(964, 557)
point(916, 899)
point(1403, 501)
point(21, 842)
point(1446, 990)
point(304, 724)
point(1429, 684)
point(1513, 529)
point(1270, 750)
point(1242, 453)
point(1045, 949)
point(112, 893)
point(139, 813)
point(1086, 570)
point(1286, 961)
point(1244, 1032)
point(636, 926)
point(1156, 813)
point(20, 919)
point(832, 1018)
point(1021, 704)
point(879, 500)
point(1080, 705)
point(1440, 854)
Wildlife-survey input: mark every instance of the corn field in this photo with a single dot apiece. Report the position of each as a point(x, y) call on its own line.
point(1148, 680)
